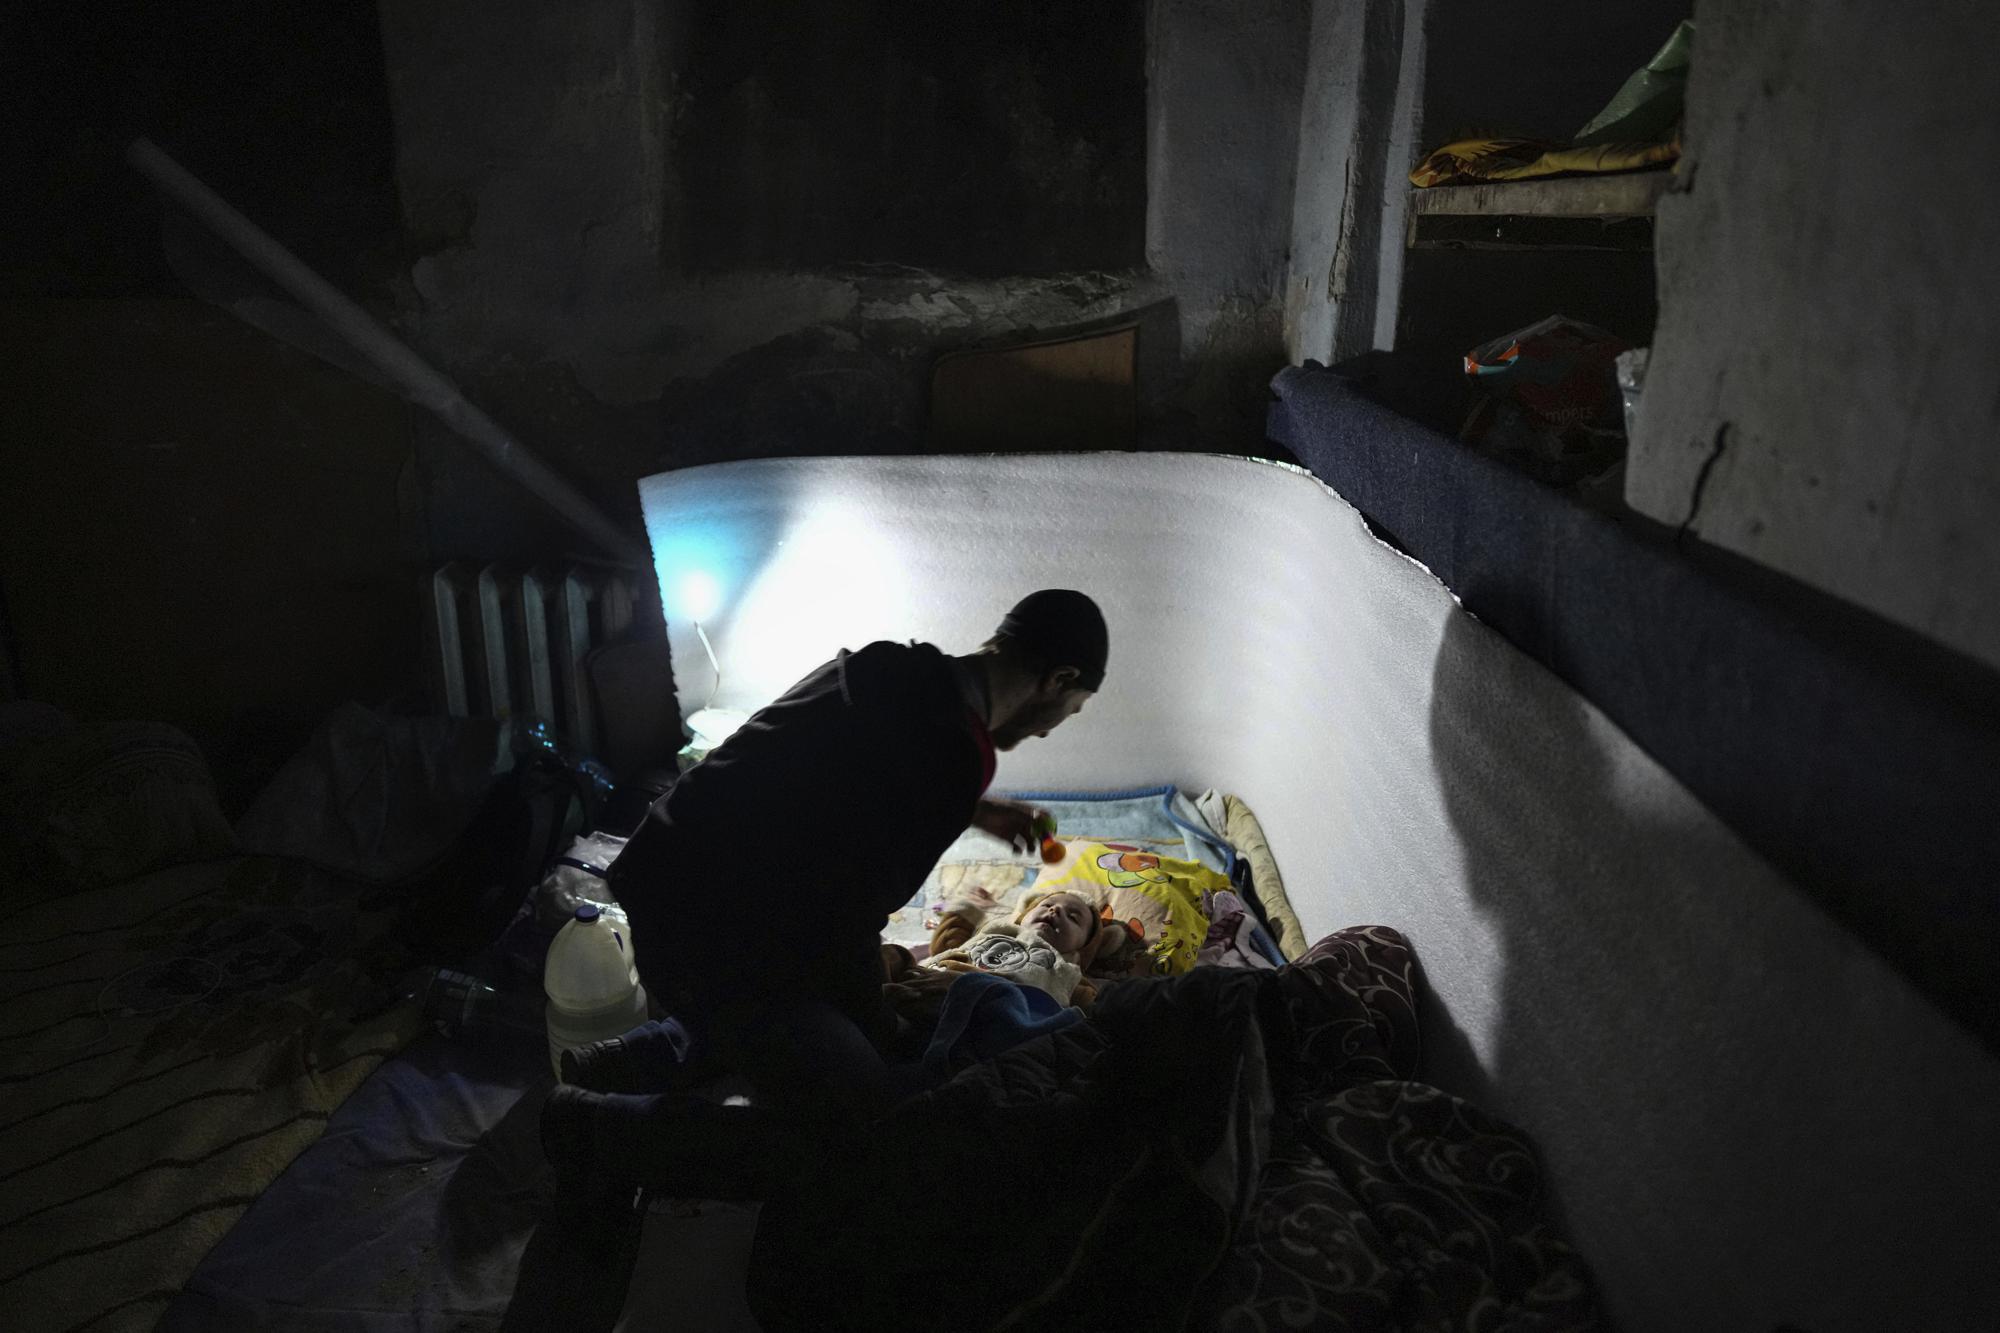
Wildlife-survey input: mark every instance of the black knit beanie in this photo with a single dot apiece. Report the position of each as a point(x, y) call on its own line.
point(1063, 628)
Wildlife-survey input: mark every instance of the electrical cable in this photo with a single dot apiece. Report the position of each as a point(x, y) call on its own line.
point(714, 665)
point(101, 1010)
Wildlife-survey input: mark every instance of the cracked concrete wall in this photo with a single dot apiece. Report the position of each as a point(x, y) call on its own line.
point(1823, 375)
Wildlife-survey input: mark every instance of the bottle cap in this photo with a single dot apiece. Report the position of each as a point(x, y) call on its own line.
point(587, 912)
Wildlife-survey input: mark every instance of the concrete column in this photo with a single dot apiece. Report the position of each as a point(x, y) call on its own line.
point(1357, 135)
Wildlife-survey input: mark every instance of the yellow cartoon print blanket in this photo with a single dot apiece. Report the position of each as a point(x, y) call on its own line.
point(1156, 897)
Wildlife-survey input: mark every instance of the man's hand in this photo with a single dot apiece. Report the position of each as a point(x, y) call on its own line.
point(1012, 823)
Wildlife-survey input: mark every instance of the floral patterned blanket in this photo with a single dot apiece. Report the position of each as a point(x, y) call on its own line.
point(1227, 1149)
point(167, 1045)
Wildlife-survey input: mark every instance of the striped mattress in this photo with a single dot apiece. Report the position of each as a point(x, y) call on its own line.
point(167, 1046)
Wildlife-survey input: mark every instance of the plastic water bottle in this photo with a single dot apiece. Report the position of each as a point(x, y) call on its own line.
point(592, 983)
point(470, 1009)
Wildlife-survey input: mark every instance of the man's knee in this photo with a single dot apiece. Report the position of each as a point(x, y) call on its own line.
point(803, 1055)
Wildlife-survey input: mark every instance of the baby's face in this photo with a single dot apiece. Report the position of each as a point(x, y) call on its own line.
point(1063, 920)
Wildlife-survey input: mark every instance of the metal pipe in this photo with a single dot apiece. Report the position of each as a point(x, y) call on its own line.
point(414, 376)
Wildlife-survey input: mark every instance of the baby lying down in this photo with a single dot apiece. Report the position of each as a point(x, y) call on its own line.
point(1050, 949)
point(1047, 949)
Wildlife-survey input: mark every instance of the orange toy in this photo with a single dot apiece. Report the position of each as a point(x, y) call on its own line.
point(1052, 851)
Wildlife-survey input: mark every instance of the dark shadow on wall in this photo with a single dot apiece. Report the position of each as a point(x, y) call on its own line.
point(1679, 1018)
point(1524, 788)
point(1600, 1015)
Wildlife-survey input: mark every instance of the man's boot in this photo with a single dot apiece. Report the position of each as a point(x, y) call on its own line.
point(660, 1056)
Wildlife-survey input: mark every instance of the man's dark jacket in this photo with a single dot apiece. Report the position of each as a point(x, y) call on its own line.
point(772, 866)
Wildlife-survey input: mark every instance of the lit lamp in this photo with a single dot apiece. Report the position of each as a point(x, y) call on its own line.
point(700, 596)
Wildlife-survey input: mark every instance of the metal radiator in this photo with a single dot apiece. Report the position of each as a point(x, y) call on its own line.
point(505, 642)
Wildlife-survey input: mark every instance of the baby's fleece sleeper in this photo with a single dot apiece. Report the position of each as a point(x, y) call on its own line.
point(1017, 953)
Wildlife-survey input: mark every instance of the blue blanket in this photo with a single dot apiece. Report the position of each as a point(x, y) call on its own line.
point(1143, 814)
point(985, 1015)
point(408, 1216)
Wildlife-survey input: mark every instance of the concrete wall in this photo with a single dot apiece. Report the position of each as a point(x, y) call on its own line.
point(530, 163)
point(566, 168)
point(987, 139)
point(662, 232)
point(1223, 85)
point(1824, 394)
point(641, 190)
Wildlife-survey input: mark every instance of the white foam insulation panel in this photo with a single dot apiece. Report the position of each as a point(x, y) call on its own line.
point(1748, 1118)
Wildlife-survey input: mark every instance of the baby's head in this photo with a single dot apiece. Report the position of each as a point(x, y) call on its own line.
point(1065, 921)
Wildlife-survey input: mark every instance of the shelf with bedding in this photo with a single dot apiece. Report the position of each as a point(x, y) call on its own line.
point(1605, 212)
